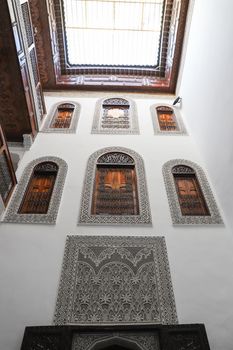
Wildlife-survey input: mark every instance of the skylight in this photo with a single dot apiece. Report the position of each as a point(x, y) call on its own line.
point(113, 32)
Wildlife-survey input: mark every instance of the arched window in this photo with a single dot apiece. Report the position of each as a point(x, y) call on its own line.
point(37, 196)
point(190, 198)
point(115, 115)
point(115, 189)
point(166, 120)
point(63, 117)
point(39, 189)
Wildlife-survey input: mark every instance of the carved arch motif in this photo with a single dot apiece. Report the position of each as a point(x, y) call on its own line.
point(12, 213)
point(120, 341)
point(184, 166)
point(177, 120)
point(49, 121)
point(111, 154)
point(115, 115)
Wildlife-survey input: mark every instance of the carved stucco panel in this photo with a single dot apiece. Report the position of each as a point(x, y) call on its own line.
point(114, 280)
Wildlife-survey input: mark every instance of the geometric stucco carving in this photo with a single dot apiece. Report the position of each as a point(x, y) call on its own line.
point(115, 280)
point(214, 216)
point(180, 130)
point(52, 114)
point(129, 123)
point(129, 340)
point(144, 216)
point(12, 214)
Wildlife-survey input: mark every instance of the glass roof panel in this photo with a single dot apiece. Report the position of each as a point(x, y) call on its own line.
point(113, 32)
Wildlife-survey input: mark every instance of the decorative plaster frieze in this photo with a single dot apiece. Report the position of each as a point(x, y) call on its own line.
point(115, 280)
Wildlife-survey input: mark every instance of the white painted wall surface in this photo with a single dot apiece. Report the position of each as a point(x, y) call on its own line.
point(206, 89)
point(201, 258)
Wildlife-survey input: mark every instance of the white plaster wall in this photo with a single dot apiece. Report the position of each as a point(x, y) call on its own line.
point(206, 89)
point(201, 258)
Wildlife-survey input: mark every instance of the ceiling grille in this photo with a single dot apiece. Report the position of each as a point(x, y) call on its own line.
point(113, 32)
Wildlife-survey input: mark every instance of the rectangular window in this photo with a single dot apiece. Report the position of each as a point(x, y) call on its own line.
point(190, 196)
point(62, 118)
point(167, 121)
point(39, 191)
point(115, 191)
point(115, 117)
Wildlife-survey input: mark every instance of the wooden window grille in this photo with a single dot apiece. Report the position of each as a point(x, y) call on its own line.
point(115, 114)
point(63, 116)
point(191, 198)
point(6, 182)
point(27, 23)
point(7, 174)
point(167, 119)
point(115, 188)
point(34, 66)
point(39, 189)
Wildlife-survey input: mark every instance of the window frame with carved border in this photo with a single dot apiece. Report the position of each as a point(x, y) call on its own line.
point(12, 213)
point(213, 216)
point(181, 129)
point(52, 115)
point(85, 216)
point(132, 115)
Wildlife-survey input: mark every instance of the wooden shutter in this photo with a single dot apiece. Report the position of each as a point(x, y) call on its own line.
point(115, 191)
point(39, 192)
point(190, 196)
point(63, 117)
point(166, 119)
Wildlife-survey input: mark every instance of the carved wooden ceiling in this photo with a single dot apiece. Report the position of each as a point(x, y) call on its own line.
point(56, 72)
